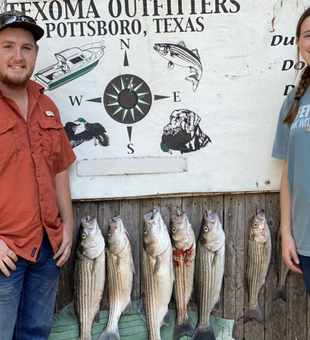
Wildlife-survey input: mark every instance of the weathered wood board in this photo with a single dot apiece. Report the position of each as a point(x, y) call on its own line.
point(283, 320)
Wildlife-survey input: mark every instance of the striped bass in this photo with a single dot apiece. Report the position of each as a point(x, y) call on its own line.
point(156, 273)
point(209, 271)
point(120, 270)
point(89, 275)
point(180, 55)
point(283, 270)
point(259, 254)
point(184, 251)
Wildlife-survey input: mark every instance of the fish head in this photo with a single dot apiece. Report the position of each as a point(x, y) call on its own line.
point(211, 233)
point(182, 237)
point(154, 234)
point(162, 49)
point(259, 228)
point(90, 239)
point(117, 235)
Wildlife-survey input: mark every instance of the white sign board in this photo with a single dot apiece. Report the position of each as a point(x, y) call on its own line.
point(167, 96)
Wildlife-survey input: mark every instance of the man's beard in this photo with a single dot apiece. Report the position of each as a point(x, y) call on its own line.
point(14, 83)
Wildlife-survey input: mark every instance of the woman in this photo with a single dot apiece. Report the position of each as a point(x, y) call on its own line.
point(292, 144)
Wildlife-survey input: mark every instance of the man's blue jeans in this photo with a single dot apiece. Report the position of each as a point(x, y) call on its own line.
point(27, 297)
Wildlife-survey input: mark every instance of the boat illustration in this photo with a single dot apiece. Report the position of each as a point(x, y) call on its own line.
point(71, 64)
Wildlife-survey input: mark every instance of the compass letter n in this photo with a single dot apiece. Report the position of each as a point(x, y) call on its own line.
point(75, 100)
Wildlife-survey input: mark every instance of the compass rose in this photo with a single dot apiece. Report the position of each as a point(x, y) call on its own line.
point(127, 99)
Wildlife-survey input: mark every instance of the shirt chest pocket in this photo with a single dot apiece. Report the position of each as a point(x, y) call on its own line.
point(10, 144)
point(50, 138)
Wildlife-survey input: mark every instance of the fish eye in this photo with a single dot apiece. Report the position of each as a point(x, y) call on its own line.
point(109, 233)
point(206, 229)
point(83, 236)
point(145, 231)
point(174, 229)
point(255, 225)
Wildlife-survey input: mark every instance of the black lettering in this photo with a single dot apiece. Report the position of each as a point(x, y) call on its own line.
point(193, 7)
point(169, 11)
point(50, 27)
point(123, 43)
point(124, 27)
point(157, 21)
point(57, 10)
point(289, 42)
point(178, 24)
point(167, 24)
point(40, 10)
point(203, 7)
point(219, 4)
point(190, 26)
point(113, 27)
point(90, 26)
point(180, 8)
point(198, 21)
point(127, 8)
point(236, 3)
point(156, 6)
point(76, 100)
point(136, 26)
point(276, 40)
point(92, 9)
point(23, 7)
point(145, 12)
point(112, 9)
point(78, 7)
point(61, 30)
point(287, 89)
point(101, 28)
point(287, 65)
point(176, 96)
point(129, 146)
point(300, 65)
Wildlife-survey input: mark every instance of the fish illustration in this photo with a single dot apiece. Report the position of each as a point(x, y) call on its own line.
point(120, 270)
point(89, 275)
point(156, 274)
point(259, 254)
point(180, 55)
point(184, 250)
point(209, 271)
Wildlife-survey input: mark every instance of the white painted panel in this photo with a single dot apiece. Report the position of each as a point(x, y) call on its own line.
point(105, 167)
point(212, 99)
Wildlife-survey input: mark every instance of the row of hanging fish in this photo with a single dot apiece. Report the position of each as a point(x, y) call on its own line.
point(167, 267)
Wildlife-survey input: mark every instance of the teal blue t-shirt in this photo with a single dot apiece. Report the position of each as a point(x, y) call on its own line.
point(292, 143)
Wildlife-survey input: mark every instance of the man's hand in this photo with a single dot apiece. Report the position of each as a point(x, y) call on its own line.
point(289, 253)
point(64, 250)
point(7, 258)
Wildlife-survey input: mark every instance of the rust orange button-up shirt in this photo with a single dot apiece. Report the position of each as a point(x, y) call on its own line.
point(31, 154)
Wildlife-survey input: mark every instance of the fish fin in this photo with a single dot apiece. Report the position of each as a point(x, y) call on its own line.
point(72, 309)
point(171, 65)
point(166, 319)
point(280, 293)
point(183, 329)
point(109, 336)
point(195, 51)
point(128, 309)
point(204, 333)
point(253, 313)
point(216, 307)
point(194, 80)
point(97, 317)
point(118, 260)
point(182, 43)
point(140, 309)
point(157, 264)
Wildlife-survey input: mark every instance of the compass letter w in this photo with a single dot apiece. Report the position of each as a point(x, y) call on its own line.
point(75, 100)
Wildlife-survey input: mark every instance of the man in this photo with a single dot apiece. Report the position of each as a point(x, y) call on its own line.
point(36, 222)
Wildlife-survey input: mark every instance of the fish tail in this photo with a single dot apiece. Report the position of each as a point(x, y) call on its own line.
point(253, 312)
point(181, 330)
point(109, 335)
point(280, 293)
point(204, 333)
point(194, 79)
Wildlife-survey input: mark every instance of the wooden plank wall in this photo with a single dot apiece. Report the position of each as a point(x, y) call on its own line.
point(283, 320)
